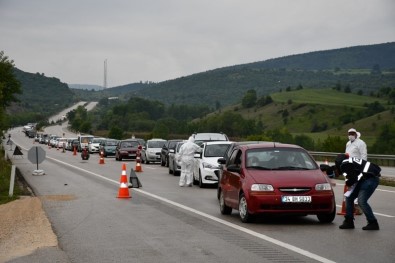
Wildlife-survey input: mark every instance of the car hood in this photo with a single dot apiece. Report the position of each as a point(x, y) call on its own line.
point(288, 178)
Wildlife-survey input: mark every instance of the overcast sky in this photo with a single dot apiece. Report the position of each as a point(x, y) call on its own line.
point(158, 40)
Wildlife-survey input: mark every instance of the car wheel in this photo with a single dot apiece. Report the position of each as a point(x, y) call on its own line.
point(327, 218)
point(167, 161)
point(245, 216)
point(225, 210)
point(201, 184)
point(120, 158)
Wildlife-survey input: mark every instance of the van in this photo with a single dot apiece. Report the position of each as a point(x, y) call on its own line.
point(83, 141)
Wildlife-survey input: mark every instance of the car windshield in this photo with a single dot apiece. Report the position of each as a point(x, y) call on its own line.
point(129, 144)
point(111, 143)
point(215, 150)
point(279, 159)
point(156, 144)
point(179, 146)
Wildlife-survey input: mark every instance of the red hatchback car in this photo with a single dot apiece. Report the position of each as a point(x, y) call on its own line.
point(274, 178)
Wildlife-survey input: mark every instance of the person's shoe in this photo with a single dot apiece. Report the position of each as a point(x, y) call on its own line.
point(189, 185)
point(181, 185)
point(348, 223)
point(357, 210)
point(373, 225)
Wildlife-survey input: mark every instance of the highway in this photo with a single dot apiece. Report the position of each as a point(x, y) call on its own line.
point(163, 222)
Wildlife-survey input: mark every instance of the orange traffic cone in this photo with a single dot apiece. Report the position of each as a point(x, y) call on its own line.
point(138, 167)
point(343, 210)
point(123, 188)
point(75, 151)
point(101, 158)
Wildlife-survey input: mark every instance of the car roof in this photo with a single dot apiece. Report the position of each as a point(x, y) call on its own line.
point(218, 142)
point(269, 145)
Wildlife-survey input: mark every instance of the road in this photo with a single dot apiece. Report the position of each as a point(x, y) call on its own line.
point(163, 222)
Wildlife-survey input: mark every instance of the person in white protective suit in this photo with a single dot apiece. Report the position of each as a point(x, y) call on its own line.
point(186, 158)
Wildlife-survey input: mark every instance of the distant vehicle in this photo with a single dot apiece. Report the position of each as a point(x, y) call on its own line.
point(151, 151)
point(69, 144)
point(174, 165)
point(84, 141)
point(108, 147)
point(61, 142)
point(206, 165)
point(94, 144)
point(274, 178)
point(164, 153)
point(126, 149)
point(200, 138)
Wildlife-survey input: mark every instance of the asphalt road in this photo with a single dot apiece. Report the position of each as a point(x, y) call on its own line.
point(163, 222)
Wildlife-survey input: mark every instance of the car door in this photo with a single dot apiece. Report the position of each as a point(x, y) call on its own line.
point(232, 178)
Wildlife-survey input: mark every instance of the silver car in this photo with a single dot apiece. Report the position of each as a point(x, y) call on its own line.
point(174, 165)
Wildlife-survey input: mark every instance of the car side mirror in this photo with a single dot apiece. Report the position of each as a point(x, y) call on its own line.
point(234, 168)
point(221, 160)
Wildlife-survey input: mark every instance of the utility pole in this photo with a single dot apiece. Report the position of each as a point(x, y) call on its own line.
point(105, 75)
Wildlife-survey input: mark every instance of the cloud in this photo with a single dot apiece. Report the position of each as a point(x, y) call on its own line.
point(160, 40)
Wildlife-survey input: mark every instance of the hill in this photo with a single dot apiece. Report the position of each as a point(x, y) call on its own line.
point(362, 69)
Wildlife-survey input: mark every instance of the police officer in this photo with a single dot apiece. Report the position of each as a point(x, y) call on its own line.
point(362, 178)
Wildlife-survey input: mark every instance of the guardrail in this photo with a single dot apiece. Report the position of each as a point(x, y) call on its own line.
point(380, 159)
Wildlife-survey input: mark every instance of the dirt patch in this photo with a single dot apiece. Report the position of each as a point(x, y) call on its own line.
point(24, 228)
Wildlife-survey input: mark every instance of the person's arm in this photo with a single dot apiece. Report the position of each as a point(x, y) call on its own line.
point(363, 150)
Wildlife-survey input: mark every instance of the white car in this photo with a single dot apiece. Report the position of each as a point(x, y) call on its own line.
point(206, 167)
point(94, 145)
point(151, 151)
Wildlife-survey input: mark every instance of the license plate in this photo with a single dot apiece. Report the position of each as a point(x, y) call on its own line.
point(296, 199)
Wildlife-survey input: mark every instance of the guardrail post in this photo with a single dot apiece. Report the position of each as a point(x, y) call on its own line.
point(11, 192)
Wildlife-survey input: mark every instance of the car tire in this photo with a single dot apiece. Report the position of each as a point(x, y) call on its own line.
point(167, 161)
point(225, 210)
point(201, 184)
point(245, 216)
point(327, 218)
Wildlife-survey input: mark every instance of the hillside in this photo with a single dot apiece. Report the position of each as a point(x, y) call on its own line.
point(319, 113)
point(363, 69)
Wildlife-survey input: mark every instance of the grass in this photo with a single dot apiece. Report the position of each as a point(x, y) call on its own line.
point(5, 176)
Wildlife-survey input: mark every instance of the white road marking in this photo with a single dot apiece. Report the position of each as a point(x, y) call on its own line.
point(242, 229)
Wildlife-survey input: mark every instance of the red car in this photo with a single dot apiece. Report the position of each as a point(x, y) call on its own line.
point(126, 149)
point(274, 178)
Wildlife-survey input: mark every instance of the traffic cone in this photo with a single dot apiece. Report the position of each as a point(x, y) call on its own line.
point(75, 151)
point(138, 167)
point(123, 188)
point(101, 158)
point(343, 210)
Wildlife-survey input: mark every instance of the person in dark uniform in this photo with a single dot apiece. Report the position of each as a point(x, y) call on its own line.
point(362, 178)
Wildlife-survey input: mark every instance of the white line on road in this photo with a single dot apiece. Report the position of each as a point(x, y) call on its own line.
point(243, 229)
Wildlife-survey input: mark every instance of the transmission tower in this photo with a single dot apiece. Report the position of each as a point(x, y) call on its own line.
point(105, 75)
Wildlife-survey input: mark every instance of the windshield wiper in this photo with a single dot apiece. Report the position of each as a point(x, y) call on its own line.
point(259, 167)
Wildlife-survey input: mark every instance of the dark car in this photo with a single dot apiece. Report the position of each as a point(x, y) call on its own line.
point(164, 153)
point(274, 178)
point(108, 147)
point(126, 149)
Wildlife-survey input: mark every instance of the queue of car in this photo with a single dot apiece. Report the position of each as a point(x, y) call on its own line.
point(252, 177)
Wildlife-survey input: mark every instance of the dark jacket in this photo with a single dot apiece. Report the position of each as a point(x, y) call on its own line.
point(354, 170)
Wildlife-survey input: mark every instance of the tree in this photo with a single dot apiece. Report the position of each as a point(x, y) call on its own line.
point(9, 87)
point(249, 99)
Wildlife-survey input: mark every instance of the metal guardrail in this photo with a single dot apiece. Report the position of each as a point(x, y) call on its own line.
point(380, 159)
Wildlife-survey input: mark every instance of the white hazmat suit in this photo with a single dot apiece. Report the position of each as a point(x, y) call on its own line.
point(186, 158)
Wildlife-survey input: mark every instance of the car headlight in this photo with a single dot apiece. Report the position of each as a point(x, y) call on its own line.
point(262, 187)
point(323, 187)
point(209, 166)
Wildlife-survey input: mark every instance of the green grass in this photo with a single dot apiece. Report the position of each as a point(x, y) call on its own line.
point(5, 174)
point(328, 97)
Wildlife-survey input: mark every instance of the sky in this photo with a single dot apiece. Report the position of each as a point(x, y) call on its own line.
point(159, 40)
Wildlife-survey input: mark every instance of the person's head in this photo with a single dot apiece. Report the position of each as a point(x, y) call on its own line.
point(352, 134)
point(339, 159)
point(191, 139)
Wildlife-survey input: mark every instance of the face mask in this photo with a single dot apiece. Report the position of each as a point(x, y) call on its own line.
point(351, 137)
